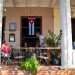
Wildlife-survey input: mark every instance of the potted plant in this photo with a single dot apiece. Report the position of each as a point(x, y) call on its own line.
point(52, 40)
point(30, 65)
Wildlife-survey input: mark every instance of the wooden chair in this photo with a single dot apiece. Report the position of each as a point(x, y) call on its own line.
point(42, 56)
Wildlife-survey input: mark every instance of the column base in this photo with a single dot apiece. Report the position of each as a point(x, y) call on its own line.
point(68, 67)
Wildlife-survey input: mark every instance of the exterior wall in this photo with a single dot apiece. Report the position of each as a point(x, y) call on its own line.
point(14, 15)
point(57, 25)
point(73, 12)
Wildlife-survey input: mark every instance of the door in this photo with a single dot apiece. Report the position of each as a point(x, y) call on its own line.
point(30, 26)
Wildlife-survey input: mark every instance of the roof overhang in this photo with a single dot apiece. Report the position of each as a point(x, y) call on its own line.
point(34, 3)
point(30, 3)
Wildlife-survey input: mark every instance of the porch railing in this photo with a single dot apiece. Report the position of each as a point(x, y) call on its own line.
point(45, 55)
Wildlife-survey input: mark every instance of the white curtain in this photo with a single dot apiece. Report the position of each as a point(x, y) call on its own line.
point(31, 28)
point(30, 33)
point(33, 31)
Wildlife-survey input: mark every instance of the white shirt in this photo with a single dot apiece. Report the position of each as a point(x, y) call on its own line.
point(42, 40)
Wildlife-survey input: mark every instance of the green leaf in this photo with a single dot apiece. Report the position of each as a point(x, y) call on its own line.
point(31, 64)
point(52, 39)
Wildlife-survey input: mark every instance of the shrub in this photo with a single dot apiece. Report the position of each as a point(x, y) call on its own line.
point(30, 64)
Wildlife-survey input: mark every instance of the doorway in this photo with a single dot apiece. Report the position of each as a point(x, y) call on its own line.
point(30, 25)
point(73, 31)
point(3, 28)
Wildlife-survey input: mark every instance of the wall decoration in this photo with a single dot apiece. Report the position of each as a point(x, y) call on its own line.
point(12, 26)
point(12, 37)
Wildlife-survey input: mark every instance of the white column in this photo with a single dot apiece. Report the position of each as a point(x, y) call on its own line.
point(1, 15)
point(66, 42)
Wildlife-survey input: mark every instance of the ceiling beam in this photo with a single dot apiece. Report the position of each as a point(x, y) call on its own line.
point(25, 3)
point(50, 3)
point(34, 3)
point(4, 3)
point(53, 3)
point(14, 3)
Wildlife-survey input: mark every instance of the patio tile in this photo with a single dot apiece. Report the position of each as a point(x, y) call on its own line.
point(19, 72)
point(58, 72)
point(73, 72)
point(53, 72)
point(4, 72)
point(69, 72)
point(42, 71)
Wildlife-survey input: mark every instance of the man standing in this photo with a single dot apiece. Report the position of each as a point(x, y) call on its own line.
point(41, 38)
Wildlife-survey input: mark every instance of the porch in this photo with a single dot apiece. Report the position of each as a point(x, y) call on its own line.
point(67, 54)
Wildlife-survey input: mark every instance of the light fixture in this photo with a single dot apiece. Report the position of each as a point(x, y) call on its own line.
point(4, 9)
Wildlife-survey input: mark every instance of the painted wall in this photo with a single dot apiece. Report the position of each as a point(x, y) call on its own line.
point(73, 12)
point(57, 24)
point(14, 15)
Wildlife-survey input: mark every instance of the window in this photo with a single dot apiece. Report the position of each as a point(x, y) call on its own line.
point(11, 37)
point(12, 26)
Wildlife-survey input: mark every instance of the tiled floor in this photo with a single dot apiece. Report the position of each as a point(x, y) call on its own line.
point(43, 70)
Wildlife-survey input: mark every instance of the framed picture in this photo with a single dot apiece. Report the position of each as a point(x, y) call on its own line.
point(11, 37)
point(12, 26)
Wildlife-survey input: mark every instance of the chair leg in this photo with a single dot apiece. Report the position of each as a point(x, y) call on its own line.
point(45, 61)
